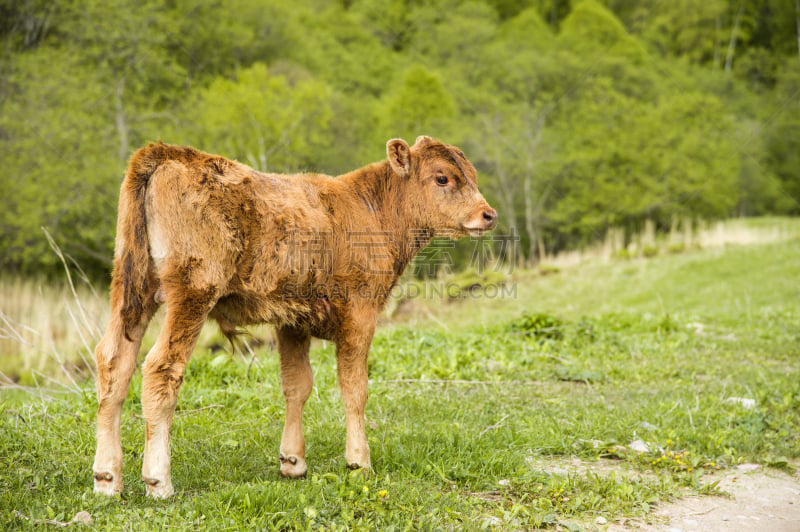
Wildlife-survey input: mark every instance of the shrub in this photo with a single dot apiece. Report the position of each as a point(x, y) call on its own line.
point(539, 325)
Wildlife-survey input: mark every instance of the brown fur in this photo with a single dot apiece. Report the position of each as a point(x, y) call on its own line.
point(314, 255)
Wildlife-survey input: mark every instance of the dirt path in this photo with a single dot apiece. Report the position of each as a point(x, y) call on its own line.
point(762, 500)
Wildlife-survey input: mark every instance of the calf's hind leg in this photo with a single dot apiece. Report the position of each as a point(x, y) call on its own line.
point(162, 377)
point(115, 357)
point(296, 383)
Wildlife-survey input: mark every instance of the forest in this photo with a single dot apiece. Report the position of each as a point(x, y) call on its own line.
point(580, 115)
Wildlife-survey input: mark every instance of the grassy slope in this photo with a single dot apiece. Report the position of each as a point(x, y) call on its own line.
point(645, 350)
point(718, 283)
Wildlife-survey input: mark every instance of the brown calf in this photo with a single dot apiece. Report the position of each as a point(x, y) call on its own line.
point(313, 255)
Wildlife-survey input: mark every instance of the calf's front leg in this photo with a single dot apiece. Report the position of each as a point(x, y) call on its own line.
point(296, 383)
point(351, 358)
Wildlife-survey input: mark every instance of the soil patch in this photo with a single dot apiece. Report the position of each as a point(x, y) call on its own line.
point(759, 499)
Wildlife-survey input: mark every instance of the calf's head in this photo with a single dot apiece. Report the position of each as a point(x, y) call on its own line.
point(443, 187)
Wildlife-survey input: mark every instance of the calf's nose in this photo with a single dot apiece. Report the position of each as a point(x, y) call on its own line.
point(490, 218)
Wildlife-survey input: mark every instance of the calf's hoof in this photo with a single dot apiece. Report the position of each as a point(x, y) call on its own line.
point(360, 467)
point(106, 483)
point(292, 466)
point(358, 459)
point(158, 489)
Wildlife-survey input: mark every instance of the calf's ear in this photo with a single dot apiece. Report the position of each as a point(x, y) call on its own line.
point(399, 156)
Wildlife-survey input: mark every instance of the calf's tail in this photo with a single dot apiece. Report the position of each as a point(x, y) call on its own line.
point(132, 262)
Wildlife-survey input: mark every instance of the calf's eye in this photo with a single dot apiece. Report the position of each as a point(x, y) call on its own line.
point(442, 180)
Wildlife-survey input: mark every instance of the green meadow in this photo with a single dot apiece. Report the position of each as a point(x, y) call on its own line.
point(601, 389)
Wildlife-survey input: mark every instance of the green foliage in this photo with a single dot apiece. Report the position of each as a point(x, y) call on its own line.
point(419, 102)
point(56, 177)
point(593, 30)
point(335, 45)
point(448, 32)
point(783, 143)
point(527, 30)
point(578, 114)
point(208, 38)
point(263, 119)
point(636, 169)
point(687, 29)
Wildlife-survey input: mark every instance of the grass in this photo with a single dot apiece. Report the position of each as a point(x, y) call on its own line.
point(479, 410)
point(44, 330)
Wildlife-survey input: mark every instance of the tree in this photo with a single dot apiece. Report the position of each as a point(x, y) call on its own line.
point(699, 31)
point(592, 29)
point(262, 119)
point(208, 38)
point(511, 149)
point(452, 32)
point(336, 46)
point(631, 161)
point(418, 104)
point(783, 138)
point(60, 170)
point(553, 11)
point(130, 54)
point(388, 20)
point(579, 114)
point(24, 24)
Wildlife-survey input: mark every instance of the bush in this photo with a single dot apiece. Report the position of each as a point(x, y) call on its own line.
point(539, 325)
point(463, 283)
point(650, 251)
